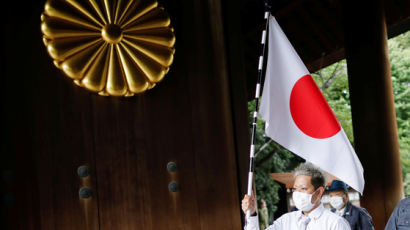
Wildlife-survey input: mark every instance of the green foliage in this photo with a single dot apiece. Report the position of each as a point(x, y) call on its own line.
point(399, 52)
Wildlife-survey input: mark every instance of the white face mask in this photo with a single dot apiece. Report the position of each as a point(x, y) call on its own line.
point(337, 202)
point(303, 201)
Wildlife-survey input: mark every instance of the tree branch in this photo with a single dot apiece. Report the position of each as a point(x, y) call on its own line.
point(263, 147)
point(335, 69)
point(333, 77)
point(265, 158)
point(319, 73)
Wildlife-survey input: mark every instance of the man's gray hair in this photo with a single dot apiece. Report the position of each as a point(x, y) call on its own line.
point(318, 177)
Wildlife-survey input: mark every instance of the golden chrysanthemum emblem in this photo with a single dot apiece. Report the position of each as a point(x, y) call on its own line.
point(113, 47)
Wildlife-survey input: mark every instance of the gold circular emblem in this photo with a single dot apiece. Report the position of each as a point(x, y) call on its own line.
point(116, 48)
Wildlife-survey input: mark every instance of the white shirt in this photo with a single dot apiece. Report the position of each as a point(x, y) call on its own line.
point(321, 219)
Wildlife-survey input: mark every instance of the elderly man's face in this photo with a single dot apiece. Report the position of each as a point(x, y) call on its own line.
point(341, 193)
point(303, 184)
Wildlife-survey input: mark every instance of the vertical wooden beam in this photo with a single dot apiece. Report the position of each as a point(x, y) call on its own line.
point(373, 112)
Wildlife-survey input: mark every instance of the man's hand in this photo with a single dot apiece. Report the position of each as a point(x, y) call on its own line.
point(248, 203)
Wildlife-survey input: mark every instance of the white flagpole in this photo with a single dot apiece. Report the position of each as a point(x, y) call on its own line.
point(255, 113)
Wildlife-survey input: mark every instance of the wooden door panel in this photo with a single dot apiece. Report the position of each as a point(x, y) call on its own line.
point(63, 141)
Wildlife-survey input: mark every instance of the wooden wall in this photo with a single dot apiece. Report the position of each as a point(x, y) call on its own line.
point(196, 117)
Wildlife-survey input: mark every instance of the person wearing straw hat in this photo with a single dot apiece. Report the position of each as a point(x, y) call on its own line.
point(357, 217)
point(308, 187)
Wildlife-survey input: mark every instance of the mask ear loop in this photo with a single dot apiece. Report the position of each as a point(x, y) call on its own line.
point(313, 194)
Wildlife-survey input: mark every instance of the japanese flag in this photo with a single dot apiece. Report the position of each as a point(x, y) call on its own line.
point(298, 117)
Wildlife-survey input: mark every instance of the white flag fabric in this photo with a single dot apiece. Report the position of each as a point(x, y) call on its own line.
point(298, 117)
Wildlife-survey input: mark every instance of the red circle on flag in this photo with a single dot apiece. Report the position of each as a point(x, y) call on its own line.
point(310, 111)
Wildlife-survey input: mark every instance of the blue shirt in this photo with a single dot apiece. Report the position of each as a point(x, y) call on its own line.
point(400, 218)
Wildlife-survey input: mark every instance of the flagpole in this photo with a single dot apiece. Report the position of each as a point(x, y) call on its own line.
point(255, 112)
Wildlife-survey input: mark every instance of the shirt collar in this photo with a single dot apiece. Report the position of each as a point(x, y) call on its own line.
point(317, 212)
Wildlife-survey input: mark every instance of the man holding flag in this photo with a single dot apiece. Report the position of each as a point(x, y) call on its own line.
point(308, 189)
point(298, 117)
